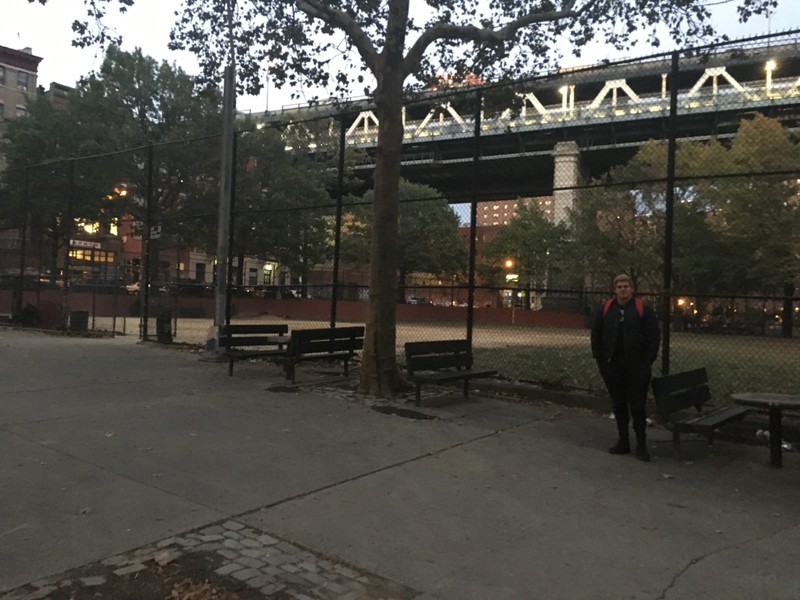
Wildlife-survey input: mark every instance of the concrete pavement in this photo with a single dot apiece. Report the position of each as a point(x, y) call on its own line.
point(107, 445)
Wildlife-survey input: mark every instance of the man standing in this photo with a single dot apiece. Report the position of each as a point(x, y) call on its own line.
point(625, 341)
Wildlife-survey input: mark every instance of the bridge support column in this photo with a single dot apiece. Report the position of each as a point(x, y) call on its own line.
point(567, 175)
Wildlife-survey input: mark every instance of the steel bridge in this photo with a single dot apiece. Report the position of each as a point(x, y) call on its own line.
point(607, 110)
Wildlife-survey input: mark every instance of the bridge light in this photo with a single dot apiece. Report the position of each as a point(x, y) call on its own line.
point(770, 67)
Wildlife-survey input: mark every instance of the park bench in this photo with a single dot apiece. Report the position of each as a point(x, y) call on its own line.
point(243, 341)
point(683, 403)
point(333, 343)
point(440, 362)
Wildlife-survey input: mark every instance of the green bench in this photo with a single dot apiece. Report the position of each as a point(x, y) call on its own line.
point(441, 361)
point(332, 343)
point(243, 341)
point(683, 404)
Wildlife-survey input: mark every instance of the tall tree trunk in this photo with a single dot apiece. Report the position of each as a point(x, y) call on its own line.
point(379, 374)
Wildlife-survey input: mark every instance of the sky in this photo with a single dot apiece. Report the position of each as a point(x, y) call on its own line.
point(47, 31)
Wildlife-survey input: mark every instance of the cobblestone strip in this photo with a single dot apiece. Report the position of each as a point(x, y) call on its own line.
point(262, 562)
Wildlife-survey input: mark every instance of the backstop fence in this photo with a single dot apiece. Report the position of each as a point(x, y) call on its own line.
point(518, 205)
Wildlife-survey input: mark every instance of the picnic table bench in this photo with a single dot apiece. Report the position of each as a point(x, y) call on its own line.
point(676, 395)
point(439, 362)
point(242, 341)
point(332, 343)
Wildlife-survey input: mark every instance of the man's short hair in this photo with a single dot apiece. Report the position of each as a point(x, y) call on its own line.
point(623, 277)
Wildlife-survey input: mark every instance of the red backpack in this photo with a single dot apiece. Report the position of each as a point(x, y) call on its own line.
point(636, 301)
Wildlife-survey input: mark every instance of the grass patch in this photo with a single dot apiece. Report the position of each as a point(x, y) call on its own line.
point(562, 358)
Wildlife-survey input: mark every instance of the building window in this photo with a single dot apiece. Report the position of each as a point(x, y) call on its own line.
point(2, 75)
point(22, 80)
point(97, 256)
point(21, 111)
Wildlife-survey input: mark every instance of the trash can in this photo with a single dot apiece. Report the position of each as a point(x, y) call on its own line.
point(79, 320)
point(164, 326)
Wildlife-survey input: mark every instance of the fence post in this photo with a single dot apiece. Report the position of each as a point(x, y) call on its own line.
point(231, 222)
point(338, 229)
point(68, 223)
point(16, 305)
point(669, 215)
point(144, 278)
point(473, 216)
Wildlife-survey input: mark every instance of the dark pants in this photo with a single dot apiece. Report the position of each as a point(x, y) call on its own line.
point(627, 382)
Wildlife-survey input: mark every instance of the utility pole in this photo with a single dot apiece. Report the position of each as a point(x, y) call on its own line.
point(226, 184)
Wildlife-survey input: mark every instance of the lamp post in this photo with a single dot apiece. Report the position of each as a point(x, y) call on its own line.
point(770, 67)
point(512, 279)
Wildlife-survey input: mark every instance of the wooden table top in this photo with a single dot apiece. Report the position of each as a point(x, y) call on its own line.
point(766, 399)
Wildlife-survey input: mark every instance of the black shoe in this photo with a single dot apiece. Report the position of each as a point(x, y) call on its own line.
point(642, 453)
point(620, 448)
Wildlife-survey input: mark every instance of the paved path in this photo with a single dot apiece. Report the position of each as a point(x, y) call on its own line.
point(110, 448)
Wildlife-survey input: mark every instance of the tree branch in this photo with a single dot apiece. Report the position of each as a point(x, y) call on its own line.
point(445, 31)
point(341, 20)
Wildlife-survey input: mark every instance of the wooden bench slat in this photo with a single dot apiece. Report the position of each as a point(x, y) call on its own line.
point(436, 347)
point(430, 362)
point(328, 346)
point(273, 328)
point(247, 340)
point(717, 416)
point(452, 375)
point(668, 384)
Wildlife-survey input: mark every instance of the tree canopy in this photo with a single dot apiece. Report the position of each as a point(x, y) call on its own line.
point(428, 232)
point(737, 215)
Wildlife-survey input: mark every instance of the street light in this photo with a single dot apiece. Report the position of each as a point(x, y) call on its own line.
point(770, 67)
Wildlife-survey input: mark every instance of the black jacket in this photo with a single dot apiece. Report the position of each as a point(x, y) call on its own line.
point(641, 335)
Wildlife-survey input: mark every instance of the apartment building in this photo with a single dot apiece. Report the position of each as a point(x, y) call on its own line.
point(501, 212)
point(18, 71)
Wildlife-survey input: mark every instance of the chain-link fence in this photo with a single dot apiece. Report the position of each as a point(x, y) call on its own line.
point(519, 203)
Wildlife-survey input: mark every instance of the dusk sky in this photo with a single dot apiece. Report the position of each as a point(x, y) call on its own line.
point(46, 29)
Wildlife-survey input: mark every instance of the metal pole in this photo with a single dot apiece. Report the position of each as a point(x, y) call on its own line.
point(234, 152)
point(16, 308)
point(223, 226)
point(473, 216)
point(338, 230)
point(669, 215)
point(144, 277)
point(68, 223)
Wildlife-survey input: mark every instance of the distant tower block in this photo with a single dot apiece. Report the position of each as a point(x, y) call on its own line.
point(567, 175)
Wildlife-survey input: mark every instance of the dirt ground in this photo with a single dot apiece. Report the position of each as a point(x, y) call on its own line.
point(190, 577)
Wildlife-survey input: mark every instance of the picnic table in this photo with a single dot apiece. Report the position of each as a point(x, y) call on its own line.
point(774, 404)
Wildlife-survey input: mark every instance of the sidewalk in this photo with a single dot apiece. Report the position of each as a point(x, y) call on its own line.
point(114, 451)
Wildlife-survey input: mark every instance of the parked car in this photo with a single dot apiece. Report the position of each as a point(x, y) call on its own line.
point(132, 288)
